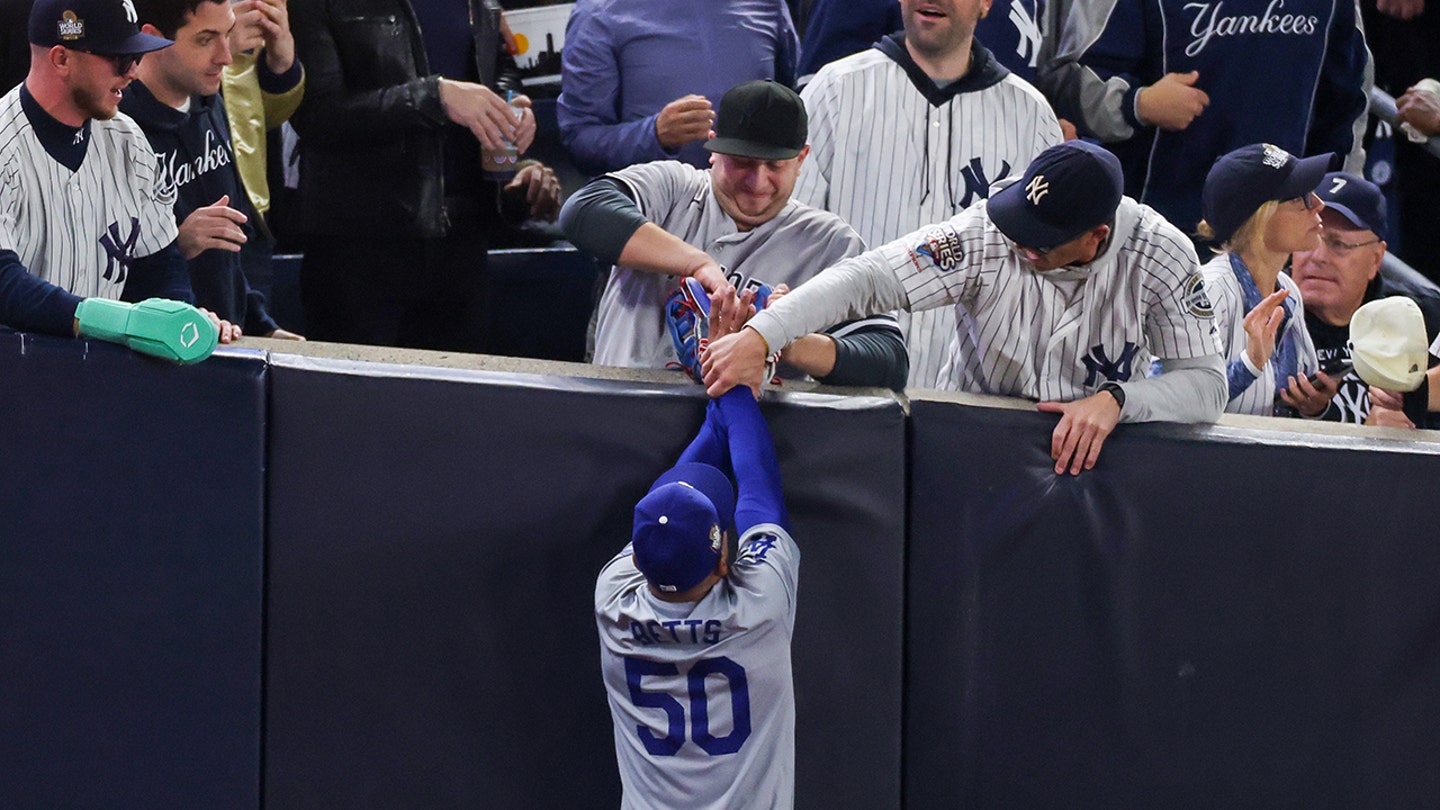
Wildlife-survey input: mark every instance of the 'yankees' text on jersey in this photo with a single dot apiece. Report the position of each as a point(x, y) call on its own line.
point(701, 692)
point(891, 152)
point(798, 243)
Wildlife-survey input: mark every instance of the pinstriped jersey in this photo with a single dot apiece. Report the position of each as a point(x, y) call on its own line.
point(81, 230)
point(798, 243)
point(701, 693)
point(1060, 334)
point(889, 154)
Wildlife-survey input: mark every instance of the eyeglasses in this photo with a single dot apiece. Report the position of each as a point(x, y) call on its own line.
point(122, 63)
point(1340, 248)
point(1305, 200)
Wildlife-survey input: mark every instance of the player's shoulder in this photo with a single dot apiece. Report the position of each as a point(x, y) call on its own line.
point(766, 543)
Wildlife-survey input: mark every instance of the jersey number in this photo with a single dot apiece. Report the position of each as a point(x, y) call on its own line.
point(667, 746)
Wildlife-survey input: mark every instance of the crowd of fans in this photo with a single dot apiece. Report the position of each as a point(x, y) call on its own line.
point(413, 128)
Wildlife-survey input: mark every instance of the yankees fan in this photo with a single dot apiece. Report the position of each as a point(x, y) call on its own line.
point(1061, 287)
point(912, 131)
point(1342, 273)
point(732, 225)
point(177, 104)
point(1260, 205)
point(80, 204)
point(695, 617)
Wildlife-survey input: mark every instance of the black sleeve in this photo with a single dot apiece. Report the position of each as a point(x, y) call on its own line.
point(600, 219)
point(32, 305)
point(869, 353)
point(162, 274)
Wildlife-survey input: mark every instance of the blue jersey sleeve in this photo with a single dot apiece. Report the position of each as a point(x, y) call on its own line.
point(162, 274)
point(710, 443)
point(757, 470)
point(30, 304)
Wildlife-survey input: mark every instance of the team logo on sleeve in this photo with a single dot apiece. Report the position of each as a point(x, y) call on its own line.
point(941, 245)
point(1195, 299)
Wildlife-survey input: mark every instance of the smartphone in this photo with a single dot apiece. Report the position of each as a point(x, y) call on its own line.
point(1336, 368)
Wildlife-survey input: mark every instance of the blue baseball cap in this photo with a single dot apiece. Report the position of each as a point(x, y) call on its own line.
point(1067, 190)
point(1241, 181)
point(1356, 199)
point(104, 27)
point(679, 526)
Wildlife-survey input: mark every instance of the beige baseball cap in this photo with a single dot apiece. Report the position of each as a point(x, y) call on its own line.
point(1388, 345)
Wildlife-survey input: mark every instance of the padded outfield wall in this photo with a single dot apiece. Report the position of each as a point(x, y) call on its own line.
point(301, 580)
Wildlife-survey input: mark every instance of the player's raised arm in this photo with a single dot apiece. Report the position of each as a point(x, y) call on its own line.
point(757, 470)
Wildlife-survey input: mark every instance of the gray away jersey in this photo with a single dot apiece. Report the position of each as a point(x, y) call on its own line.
point(888, 162)
point(80, 230)
point(701, 693)
point(794, 246)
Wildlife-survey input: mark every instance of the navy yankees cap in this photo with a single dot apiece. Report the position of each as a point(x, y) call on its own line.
point(1356, 199)
point(679, 526)
point(760, 119)
point(105, 27)
point(1243, 180)
point(1067, 190)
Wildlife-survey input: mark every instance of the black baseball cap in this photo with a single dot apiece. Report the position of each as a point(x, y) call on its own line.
point(760, 119)
point(104, 27)
point(1243, 180)
point(1067, 190)
point(1356, 199)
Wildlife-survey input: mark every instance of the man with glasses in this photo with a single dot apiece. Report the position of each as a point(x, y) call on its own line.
point(1063, 290)
point(80, 204)
point(1343, 273)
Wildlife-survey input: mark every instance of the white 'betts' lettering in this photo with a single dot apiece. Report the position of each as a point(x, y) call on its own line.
point(1209, 22)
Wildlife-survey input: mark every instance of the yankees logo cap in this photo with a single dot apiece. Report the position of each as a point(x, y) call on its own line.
point(679, 525)
point(1241, 181)
point(104, 27)
point(1356, 199)
point(760, 119)
point(1067, 190)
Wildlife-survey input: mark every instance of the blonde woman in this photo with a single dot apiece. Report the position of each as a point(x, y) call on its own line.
point(1259, 203)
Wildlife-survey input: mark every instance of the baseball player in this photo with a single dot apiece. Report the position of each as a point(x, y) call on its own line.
point(1259, 203)
point(734, 225)
point(695, 618)
point(914, 130)
point(1061, 287)
point(79, 205)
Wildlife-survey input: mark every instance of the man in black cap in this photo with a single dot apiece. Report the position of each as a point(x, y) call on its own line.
point(80, 202)
point(731, 227)
point(1064, 292)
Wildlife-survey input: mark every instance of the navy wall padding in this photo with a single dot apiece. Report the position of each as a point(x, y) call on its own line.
point(131, 567)
point(434, 541)
point(538, 302)
point(1213, 617)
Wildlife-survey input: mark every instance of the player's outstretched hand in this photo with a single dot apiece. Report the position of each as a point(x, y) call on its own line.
point(1261, 325)
point(684, 120)
point(1310, 400)
point(214, 226)
point(737, 359)
point(1084, 426)
point(1172, 102)
point(542, 190)
point(478, 109)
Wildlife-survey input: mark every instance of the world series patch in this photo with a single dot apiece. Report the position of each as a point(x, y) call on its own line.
point(942, 246)
point(1195, 299)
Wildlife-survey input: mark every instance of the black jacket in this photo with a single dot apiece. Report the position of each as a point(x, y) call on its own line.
point(197, 162)
point(372, 129)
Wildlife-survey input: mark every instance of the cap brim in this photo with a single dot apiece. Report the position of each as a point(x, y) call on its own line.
point(136, 43)
point(1344, 211)
point(750, 149)
point(1305, 177)
point(710, 481)
point(1008, 211)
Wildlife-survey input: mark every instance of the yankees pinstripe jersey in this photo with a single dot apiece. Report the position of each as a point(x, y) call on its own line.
point(798, 243)
point(1294, 351)
point(701, 692)
point(891, 152)
point(80, 229)
point(1056, 335)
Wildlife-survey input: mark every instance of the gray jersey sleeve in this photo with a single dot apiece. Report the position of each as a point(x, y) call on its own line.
point(1079, 93)
point(1186, 390)
point(854, 288)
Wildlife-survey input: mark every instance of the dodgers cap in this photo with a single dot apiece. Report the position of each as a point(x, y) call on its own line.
point(679, 524)
point(1241, 181)
point(1067, 190)
point(760, 119)
point(104, 27)
point(1356, 199)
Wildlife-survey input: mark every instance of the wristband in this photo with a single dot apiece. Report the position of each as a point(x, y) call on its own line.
point(1113, 389)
